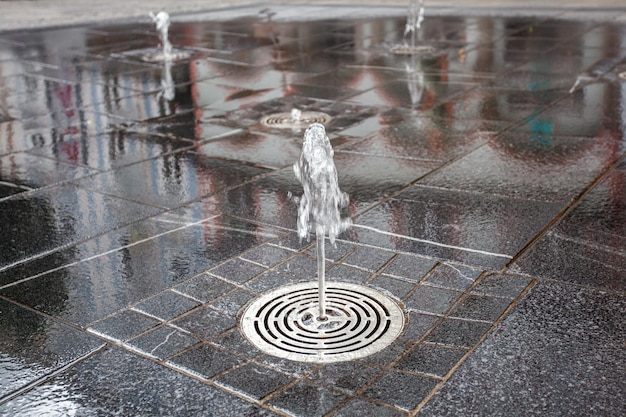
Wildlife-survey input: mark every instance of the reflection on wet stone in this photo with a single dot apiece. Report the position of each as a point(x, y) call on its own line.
point(144, 205)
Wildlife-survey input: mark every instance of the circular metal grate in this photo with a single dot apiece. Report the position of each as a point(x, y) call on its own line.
point(287, 121)
point(285, 322)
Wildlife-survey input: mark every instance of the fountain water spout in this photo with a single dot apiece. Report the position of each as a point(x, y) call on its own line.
point(162, 21)
point(322, 201)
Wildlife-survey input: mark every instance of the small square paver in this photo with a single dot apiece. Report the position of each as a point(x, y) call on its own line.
point(267, 255)
point(305, 400)
point(300, 266)
point(417, 325)
point(348, 376)
point(333, 252)
point(431, 359)
point(231, 303)
point(432, 299)
point(206, 323)
point(368, 258)
point(477, 307)
point(461, 333)
point(235, 342)
point(238, 271)
point(166, 306)
point(500, 285)
point(163, 342)
point(359, 408)
point(348, 274)
point(455, 277)
point(408, 267)
point(400, 389)
point(253, 380)
point(206, 361)
point(270, 280)
point(205, 287)
point(123, 326)
point(397, 287)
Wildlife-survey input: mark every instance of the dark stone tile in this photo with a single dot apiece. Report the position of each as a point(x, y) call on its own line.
point(475, 229)
point(116, 382)
point(475, 307)
point(162, 342)
point(454, 277)
point(398, 288)
point(274, 279)
point(500, 285)
point(461, 333)
point(560, 342)
point(369, 259)
point(300, 267)
point(33, 346)
point(206, 323)
point(347, 376)
point(253, 380)
point(432, 300)
point(123, 326)
point(431, 360)
point(48, 219)
point(235, 342)
point(205, 361)
point(293, 368)
point(568, 260)
point(408, 267)
point(359, 408)
point(528, 167)
point(267, 255)
point(237, 271)
point(347, 274)
point(166, 306)
point(390, 353)
point(305, 400)
point(174, 179)
point(417, 326)
point(399, 389)
point(30, 171)
point(233, 302)
point(205, 288)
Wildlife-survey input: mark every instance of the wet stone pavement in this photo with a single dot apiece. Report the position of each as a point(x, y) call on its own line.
point(488, 199)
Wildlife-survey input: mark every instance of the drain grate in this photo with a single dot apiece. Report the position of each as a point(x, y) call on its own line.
point(360, 321)
point(287, 121)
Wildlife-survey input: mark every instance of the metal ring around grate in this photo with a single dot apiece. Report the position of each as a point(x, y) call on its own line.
point(359, 321)
point(286, 120)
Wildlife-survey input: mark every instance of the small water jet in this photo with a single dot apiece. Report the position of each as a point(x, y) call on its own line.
point(327, 322)
point(167, 52)
point(413, 32)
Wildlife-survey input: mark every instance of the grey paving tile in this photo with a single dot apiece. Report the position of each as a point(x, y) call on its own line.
point(432, 300)
point(455, 277)
point(205, 360)
point(400, 389)
point(166, 306)
point(117, 382)
point(233, 302)
point(206, 323)
point(267, 255)
point(411, 268)
point(561, 342)
point(162, 342)
point(461, 333)
point(417, 326)
point(33, 346)
point(347, 376)
point(306, 400)
point(475, 307)
point(123, 326)
point(358, 407)
point(431, 360)
point(501, 285)
point(398, 288)
point(237, 271)
point(205, 287)
point(369, 259)
point(253, 380)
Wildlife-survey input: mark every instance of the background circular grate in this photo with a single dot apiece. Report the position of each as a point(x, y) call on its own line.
point(286, 121)
point(360, 321)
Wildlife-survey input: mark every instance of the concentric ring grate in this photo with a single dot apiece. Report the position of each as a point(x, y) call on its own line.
point(360, 321)
point(286, 120)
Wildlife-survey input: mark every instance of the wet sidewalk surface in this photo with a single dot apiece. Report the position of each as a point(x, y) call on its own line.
point(487, 183)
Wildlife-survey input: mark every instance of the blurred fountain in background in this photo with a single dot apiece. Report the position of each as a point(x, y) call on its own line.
point(162, 21)
point(320, 205)
point(413, 32)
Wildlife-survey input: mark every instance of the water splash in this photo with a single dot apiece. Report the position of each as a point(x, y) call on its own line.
point(415, 17)
point(162, 21)
point(322, 201)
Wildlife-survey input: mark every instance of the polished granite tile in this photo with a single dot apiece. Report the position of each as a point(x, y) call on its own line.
point(33, 346)
point(123, 326)
point(432, 360)
point(162, 342)
point(253, 381)
point(304, 399)
point(117, 382)
point(205, 361)
point(346, 376)
point(400, 389)
point(561, 342)
point(166, 306)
